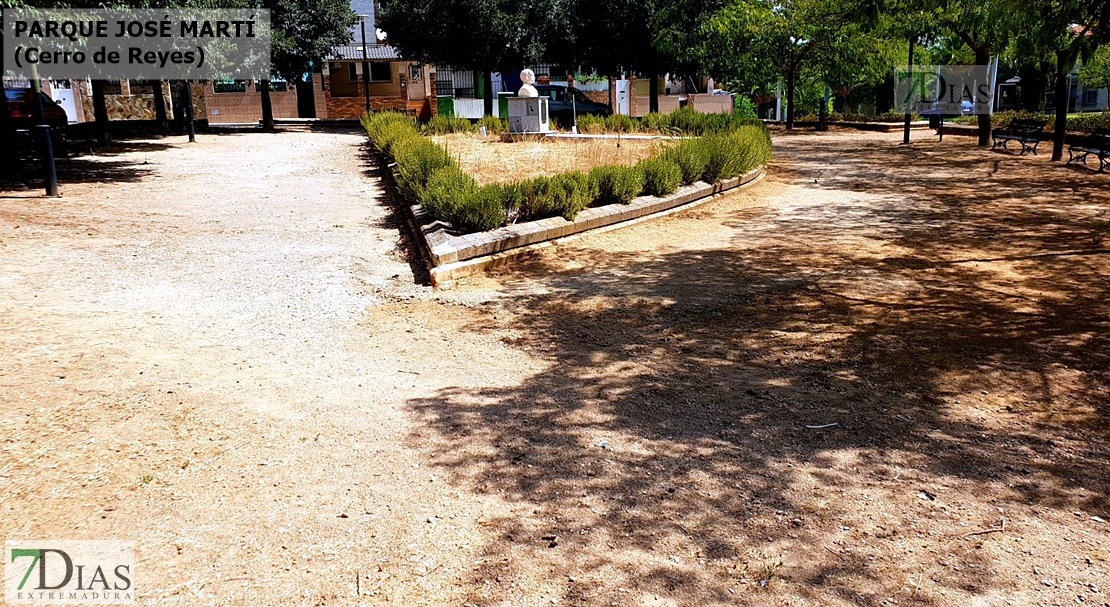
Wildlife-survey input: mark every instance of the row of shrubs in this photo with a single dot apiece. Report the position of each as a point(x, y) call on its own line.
point(890, 116)
point(683, 121)
point(443, 125)
point(426, 174)
point(1077, 123)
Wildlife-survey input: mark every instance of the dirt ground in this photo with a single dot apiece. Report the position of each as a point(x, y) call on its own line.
point(879, 377)
point(490, 160)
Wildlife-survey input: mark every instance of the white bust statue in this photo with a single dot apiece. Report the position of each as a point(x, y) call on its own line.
point(528, 77)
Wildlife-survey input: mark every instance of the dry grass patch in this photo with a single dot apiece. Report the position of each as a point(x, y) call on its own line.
point(490, 160)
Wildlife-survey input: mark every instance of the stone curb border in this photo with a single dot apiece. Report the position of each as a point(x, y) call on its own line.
point(452, 257)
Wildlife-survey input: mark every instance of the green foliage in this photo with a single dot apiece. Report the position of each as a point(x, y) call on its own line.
point(446, 187)
point(442, 125)
point(454, 196)
point(661, 176)
point(417, 158)
point(384, 128)
point(743, 107)
point(493, 124)
point(565, 194)
point(483, 208)
point(691, 157)
point(617, 184)
point(425, 173)
point(1076, 123)
point(1095, 73)
point(572, 192)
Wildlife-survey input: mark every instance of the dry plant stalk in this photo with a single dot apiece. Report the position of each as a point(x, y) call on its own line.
point(490, 160)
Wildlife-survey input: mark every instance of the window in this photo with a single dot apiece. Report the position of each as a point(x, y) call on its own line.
point(352, 73)
point(1090, 97)
point(381, 71)
point(229, 86)
point(112, 87)
point(276, 86)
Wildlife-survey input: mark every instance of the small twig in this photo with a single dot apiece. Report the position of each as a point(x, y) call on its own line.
point(1000, 529)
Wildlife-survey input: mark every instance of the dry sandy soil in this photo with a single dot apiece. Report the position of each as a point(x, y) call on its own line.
point(221, 352)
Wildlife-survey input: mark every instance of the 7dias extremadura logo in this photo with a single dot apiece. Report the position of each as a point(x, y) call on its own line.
point(69, 572)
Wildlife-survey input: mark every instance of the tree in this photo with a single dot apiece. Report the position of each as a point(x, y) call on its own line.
point(1067, 30)
point(481, 35)
point(302, 31)
point(1095, 73)
point(985, 26)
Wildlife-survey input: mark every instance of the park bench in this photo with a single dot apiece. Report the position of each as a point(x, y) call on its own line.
point(1097, 144)
point(1026, 132)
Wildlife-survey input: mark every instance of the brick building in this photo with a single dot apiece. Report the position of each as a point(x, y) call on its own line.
point(395, 84)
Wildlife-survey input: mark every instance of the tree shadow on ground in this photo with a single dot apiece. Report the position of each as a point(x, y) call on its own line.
point(395, 218)
point(678, 442)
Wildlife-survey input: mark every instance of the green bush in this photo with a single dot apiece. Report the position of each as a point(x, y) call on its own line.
point(571, 192)
point(385, 128)
point(617, 184)
point(442, 125)
point(725, 158)
point(482, 208)
point(589, 123)
point(537, 198)
point(493, 124)
point(417, 158)
point(565, 194)
point(446, 187)
point(691, 157)
point(743, 107)
point(661, 176)
point(619, 123)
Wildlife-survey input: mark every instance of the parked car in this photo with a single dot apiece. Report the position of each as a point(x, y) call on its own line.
point(560, 108)
point(23, 113)
point(23, 116)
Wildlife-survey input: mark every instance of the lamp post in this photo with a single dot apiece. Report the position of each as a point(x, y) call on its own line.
point(365, 62)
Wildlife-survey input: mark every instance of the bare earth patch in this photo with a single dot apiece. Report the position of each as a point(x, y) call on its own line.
point(491, 160)
point(878, 378)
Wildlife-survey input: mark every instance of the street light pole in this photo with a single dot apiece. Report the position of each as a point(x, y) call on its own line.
point(365, 63)
point(906, 129)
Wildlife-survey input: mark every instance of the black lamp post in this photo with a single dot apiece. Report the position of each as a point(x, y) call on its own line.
point(365, 62)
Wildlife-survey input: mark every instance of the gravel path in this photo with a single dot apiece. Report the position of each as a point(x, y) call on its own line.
point(220, 352)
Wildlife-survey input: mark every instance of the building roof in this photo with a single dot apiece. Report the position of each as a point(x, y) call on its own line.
point(374, 52)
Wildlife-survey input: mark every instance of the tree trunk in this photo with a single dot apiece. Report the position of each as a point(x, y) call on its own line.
point(884, 95)
point(100, 113)
point(267, 106)
point(160, 107)
point(487, 93)
point(1061, 123)
point(983, 57)
point(653, 94)
point(790, 100)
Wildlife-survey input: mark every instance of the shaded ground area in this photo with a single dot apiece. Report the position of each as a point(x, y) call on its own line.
point(878, 377)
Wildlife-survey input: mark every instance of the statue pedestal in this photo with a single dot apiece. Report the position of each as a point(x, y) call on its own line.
point(528, 115)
